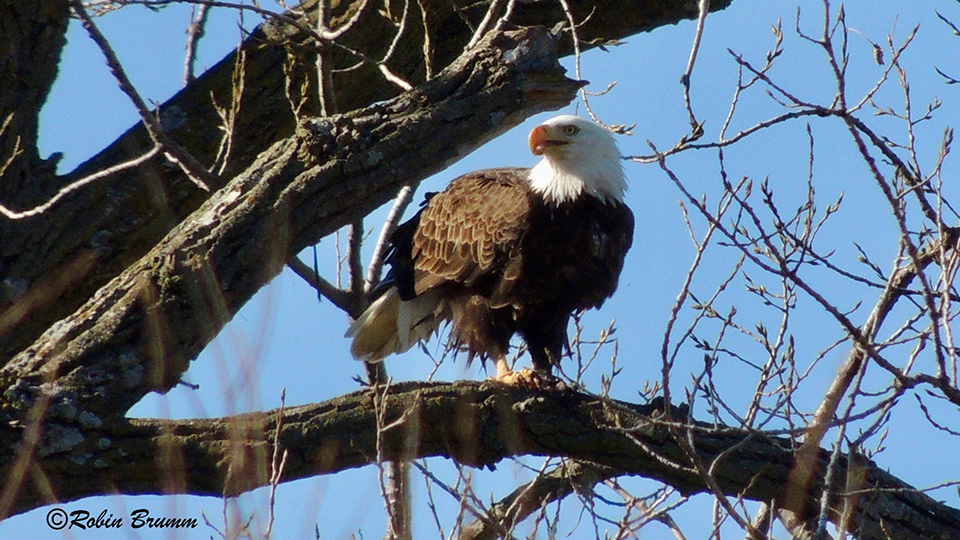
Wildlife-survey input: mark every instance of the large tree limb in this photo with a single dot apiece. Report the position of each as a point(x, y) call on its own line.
point(139, 332)
point(477, 424)
point(51, 265)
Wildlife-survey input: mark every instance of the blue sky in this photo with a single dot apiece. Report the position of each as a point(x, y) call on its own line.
point(285, 339)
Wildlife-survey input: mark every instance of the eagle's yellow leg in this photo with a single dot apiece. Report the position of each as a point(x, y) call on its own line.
point(526, 377)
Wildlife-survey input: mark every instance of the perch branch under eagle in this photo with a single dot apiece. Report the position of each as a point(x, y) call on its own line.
point(508, 251)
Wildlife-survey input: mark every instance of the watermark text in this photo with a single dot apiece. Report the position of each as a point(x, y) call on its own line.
point(82, 520)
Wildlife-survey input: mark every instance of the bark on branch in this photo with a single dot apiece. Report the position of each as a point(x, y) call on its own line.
point(478, 424)
point(51, 265)
point(139, 332)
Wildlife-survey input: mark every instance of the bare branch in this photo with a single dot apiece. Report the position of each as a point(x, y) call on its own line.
point(340, 298)
point(194, 34)
point(342, 434)
point(568, 478)
point(197, 173)
point(481, 29)
point(704, 9)
point(73, 186)
point(355, 263)
point(400, 204)
point(302, 189)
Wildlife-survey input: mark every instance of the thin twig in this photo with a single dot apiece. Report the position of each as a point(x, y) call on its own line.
point(704, 8)
point(277, 464)
point(73, 186)
point(196, 172)
point(333, 35)
point(293, 21)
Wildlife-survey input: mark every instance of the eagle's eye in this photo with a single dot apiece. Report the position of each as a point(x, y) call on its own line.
point(571, 130)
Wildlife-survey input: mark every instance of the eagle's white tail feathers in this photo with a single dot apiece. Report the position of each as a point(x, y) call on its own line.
point(391, 325)
point(419, 318)
point(374, 332)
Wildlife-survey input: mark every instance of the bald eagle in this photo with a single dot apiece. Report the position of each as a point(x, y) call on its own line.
point(508, 251)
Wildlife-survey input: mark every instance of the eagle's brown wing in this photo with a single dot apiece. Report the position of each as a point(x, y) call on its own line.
point(472, 229)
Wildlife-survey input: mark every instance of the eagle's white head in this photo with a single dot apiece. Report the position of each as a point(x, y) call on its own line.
point(578, 157)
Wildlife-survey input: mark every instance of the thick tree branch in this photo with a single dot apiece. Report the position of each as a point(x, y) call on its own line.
point(33, 34)
point(139, 332)
point(477, 424)
point(115, 224)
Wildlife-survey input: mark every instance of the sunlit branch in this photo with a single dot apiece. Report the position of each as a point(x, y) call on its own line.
point(704, 8)
point(334, 34)
point(73, 186)
point(400, 203)
point(382, 64)
point(277, 464)
point(575, 37)
point(355, 262)
point(427, 44)
point(484, 23)
point(195, 33)
point(325, 90)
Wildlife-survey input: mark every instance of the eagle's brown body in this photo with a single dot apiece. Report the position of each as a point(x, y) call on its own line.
point(508, 251)
point(505, 261)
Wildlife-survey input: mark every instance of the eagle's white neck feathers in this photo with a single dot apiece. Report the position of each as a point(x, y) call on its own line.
point(578, 157)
